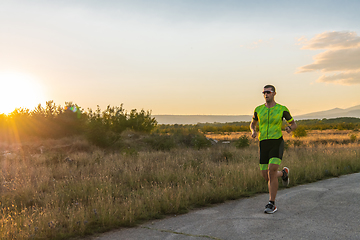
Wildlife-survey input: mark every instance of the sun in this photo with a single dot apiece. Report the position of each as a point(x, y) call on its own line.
point(19, 90)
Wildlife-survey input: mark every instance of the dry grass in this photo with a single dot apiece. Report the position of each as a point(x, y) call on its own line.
point(73, 189)
point(317, 136)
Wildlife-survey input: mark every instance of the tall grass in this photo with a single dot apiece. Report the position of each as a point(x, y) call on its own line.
point(78, 190)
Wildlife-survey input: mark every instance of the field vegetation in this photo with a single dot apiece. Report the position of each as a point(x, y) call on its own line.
point(117, 169)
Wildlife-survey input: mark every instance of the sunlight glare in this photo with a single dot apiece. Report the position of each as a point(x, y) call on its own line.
point(19, 90)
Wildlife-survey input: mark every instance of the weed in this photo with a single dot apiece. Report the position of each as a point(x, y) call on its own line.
point(297, 143)
point(242, 142)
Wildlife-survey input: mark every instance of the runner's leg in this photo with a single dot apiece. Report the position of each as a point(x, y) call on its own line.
point(265, 174)
point(273, 182)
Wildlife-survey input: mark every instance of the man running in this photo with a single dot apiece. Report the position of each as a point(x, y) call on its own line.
point(270, 118)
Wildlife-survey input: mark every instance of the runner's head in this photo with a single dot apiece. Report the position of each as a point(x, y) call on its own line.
point(270, 86)
point(269, 93)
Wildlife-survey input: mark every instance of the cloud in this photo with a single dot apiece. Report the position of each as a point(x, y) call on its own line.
point(332, 40)
point(345, 78)
point(337, 60)
point(342, 55)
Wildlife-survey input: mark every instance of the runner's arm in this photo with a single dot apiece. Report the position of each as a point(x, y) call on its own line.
point(292, 126)
point(253, 126)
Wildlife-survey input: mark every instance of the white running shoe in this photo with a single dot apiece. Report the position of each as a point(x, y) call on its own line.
point(270, 208)
point(285, 177)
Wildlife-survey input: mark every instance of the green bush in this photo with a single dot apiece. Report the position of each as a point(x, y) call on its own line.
point(104, 128)
point(184, 139)
point(242, 142)
point(160, 142)
point(191, 137)
point(199, 141)
point(99, 135)
point(299, 132)
point(353, 138)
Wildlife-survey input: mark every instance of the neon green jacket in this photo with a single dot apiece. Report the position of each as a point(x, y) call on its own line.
point(270, 120)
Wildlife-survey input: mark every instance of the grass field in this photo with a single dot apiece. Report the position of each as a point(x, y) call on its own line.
point(313, 135)
point(65, 188)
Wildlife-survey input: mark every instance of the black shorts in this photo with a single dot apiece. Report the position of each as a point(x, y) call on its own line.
point(271, 148)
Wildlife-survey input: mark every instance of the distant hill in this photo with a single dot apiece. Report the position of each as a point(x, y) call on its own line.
point(194, 119)
point(332, 113)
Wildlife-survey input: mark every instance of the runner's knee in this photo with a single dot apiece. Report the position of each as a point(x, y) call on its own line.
point(265, 175)
point(273, 171)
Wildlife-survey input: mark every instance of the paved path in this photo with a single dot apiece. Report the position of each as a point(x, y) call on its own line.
point(328, 209)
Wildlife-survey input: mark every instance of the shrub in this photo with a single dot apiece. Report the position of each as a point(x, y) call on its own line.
point(242, 142)
point(160, 142)
point(183, 139)
point(141, 121)
point(200, 141)
point(299, 132)
point(99, 135)
point(353, 138)
point(104, 128)
point(191, 138)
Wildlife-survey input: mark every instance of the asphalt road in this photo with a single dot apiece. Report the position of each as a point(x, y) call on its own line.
point(328, 209)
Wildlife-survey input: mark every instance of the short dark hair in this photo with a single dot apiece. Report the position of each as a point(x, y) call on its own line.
point(270, 86)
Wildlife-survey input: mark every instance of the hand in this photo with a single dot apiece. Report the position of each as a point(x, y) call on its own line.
point(253, 134)
point(288, 129)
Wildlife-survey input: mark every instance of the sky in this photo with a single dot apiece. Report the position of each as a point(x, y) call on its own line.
point(184, 57)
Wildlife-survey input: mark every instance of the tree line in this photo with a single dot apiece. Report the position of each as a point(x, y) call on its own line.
point(343, 123)
point(55, 121)
point(104, 127)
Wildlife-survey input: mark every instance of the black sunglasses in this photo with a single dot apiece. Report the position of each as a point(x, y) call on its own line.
point(268, 92)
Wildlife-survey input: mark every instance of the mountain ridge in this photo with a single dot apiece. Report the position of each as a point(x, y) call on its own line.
point(332, 113)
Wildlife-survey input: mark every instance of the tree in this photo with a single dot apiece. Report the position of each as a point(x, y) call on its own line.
point(141, 121)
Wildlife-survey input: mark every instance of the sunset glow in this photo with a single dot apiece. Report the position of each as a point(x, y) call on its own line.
point(181, 57)
point(19, 91)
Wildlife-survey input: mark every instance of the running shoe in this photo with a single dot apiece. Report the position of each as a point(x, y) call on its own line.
point(270, 208)
point(285, 177)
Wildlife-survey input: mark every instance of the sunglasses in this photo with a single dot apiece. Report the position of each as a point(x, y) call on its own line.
point(268, 92)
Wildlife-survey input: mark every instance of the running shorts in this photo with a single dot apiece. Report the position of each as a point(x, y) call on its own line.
point(271, 152)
